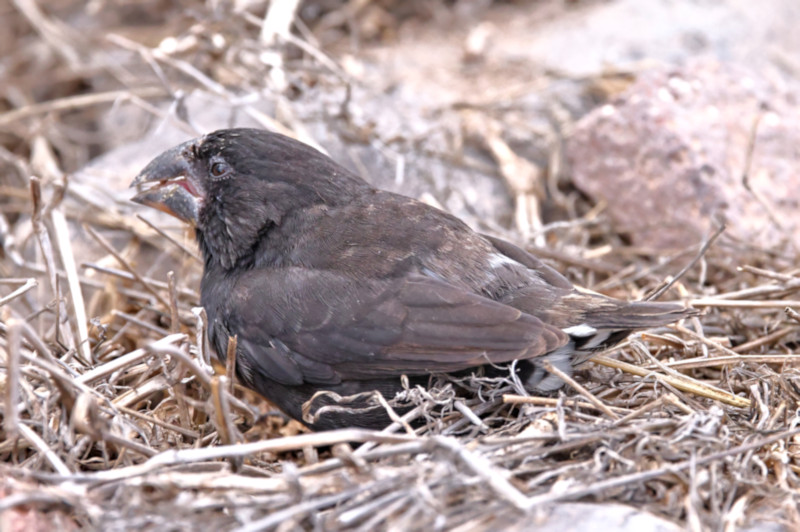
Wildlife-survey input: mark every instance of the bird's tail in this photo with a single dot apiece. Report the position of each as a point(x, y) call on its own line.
point(604, 324)
point(636, 315)
point(609, 321)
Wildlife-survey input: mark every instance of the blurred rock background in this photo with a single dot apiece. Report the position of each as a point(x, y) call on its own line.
point(666, 116)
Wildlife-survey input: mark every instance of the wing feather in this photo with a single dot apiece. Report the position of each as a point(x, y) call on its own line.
point(300, 325)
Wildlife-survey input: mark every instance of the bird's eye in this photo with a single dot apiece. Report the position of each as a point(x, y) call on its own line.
point(219, 169)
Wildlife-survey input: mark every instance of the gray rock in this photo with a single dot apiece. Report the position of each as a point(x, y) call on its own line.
point(578, 517)
point(670, 155)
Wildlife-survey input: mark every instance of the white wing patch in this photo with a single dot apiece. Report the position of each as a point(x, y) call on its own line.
point(580, 331)
point(498, 259)
point(592, 338)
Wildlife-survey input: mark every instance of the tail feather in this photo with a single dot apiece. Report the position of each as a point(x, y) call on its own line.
point(607, 325)
point(604, 326)
point(636, 315)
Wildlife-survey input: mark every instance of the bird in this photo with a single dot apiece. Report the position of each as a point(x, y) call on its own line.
point(336, 291)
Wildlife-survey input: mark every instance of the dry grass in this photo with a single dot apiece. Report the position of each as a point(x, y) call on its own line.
point(114, 417)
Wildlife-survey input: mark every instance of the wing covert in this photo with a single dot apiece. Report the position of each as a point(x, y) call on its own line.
point(301, 325)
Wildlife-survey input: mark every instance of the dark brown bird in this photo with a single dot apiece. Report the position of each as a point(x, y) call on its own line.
point(332, 285)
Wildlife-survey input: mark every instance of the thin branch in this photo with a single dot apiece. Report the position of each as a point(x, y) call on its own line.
point(658, 292)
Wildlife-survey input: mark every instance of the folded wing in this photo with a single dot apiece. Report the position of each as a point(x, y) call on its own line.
point(296, 325)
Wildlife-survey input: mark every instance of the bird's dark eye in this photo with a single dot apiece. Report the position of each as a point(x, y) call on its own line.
point(219, 169)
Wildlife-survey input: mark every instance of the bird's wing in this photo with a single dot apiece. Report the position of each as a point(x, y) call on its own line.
point(530, 261)
point(298, 325)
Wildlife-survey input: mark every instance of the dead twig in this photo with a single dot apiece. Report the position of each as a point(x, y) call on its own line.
point(580, 389)
point(685, 384)
point(655, 294)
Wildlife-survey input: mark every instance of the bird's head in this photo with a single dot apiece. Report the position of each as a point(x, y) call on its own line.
point(232, 185)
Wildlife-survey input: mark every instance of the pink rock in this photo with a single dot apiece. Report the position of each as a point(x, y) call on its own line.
point(668, 156)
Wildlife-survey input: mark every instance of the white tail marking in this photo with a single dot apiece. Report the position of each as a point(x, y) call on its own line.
point(580, 331)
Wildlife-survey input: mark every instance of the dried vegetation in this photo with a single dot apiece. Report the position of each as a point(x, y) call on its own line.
point(113, 417)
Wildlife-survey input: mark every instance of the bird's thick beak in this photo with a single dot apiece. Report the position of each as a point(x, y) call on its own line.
point(167, 184)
